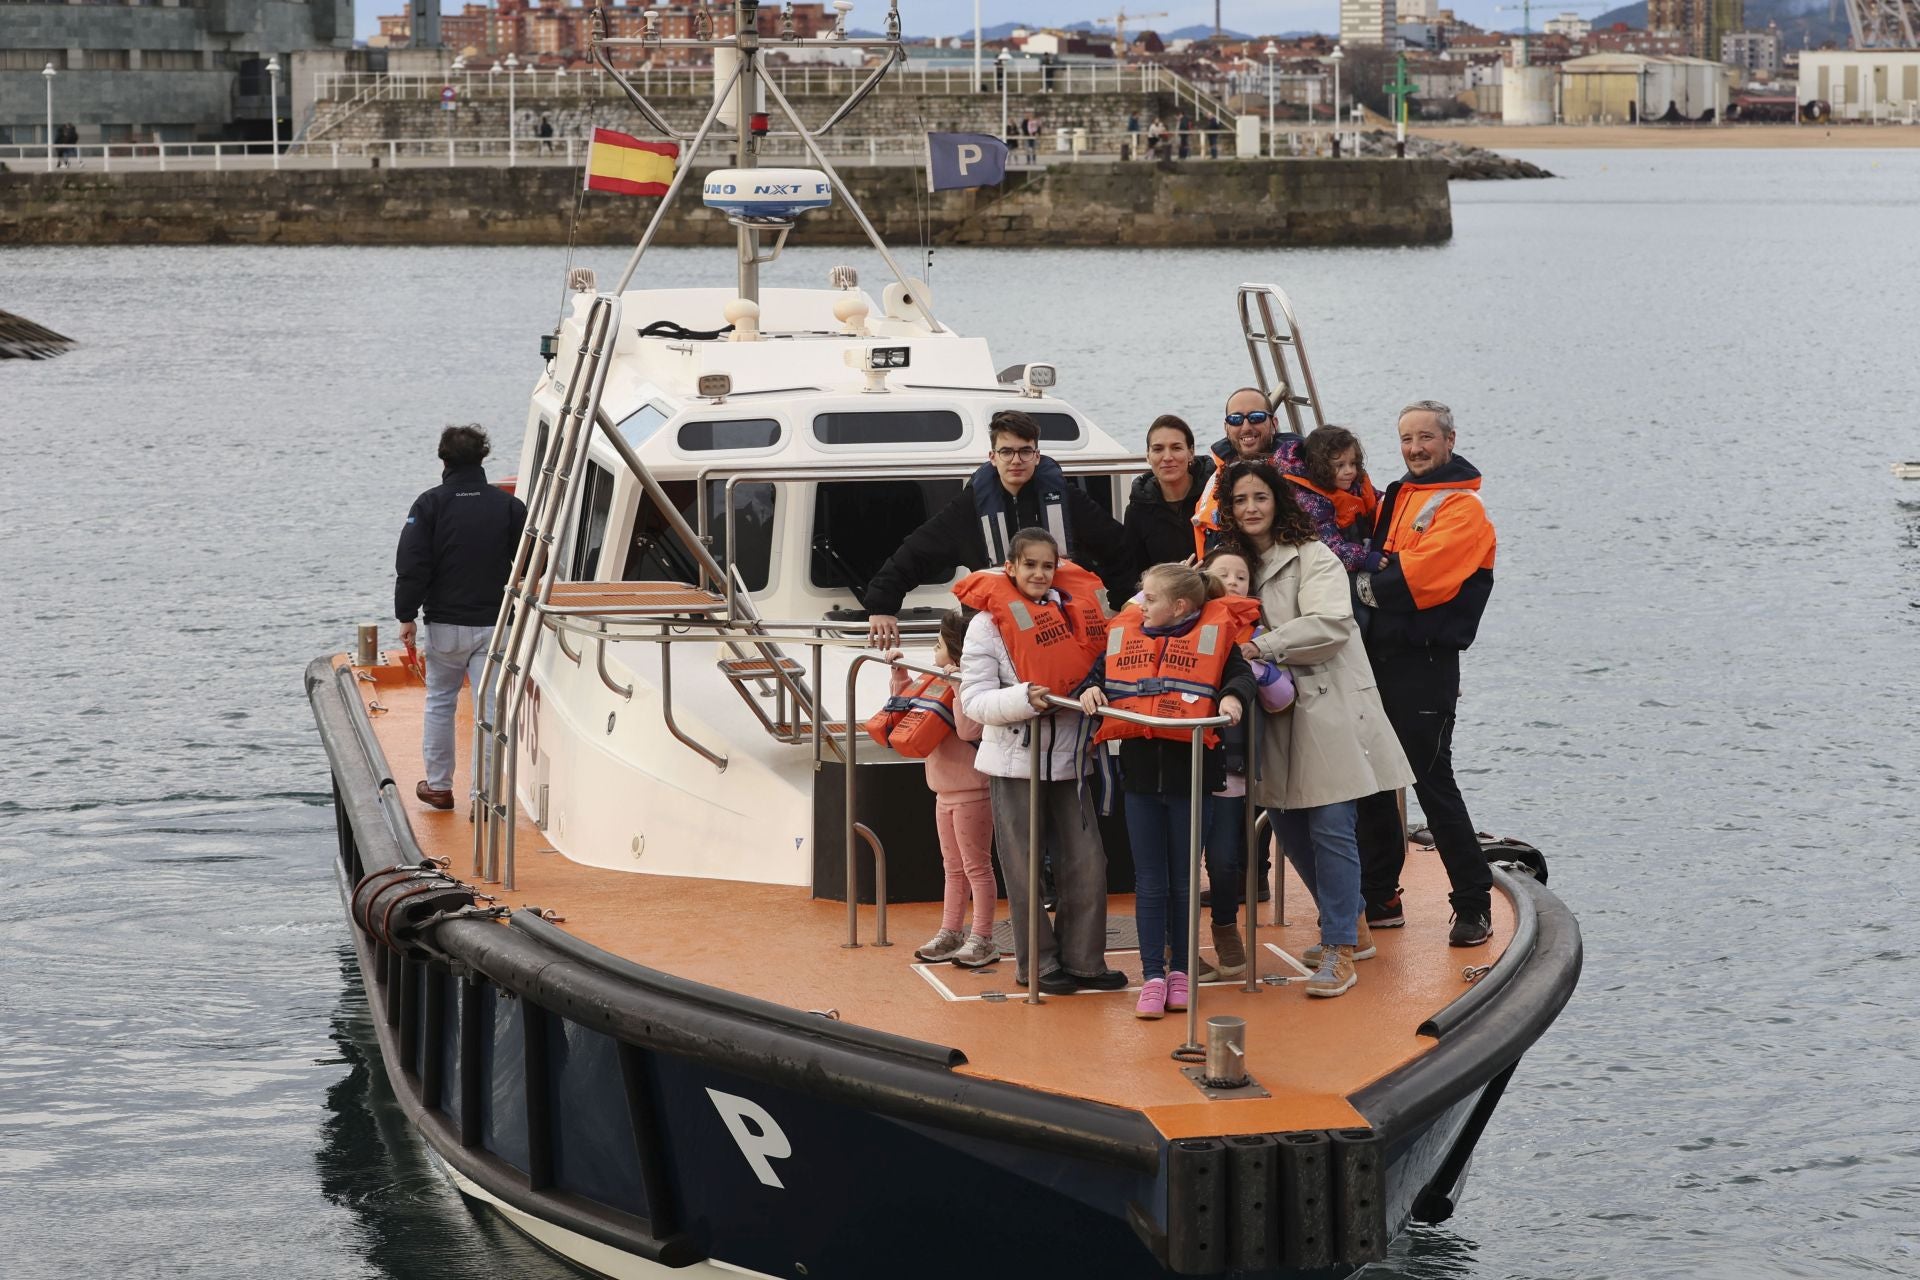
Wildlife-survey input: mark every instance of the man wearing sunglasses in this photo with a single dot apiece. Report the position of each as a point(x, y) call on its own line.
point(1018, 488)
point(1252, 433)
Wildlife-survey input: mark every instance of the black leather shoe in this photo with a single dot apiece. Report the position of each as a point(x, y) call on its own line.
point(1105, 980)
point(1059, 983)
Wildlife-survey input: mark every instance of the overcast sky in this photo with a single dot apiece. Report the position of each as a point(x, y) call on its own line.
point(950, 17)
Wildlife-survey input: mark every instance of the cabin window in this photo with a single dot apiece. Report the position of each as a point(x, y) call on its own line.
point(716, 435)
point(530, 481)
point(595, 506)
point(858, 524)
point(753, 526)
point(655, 554)
point(1063, 427)
point(894, 426)
point(639, 425)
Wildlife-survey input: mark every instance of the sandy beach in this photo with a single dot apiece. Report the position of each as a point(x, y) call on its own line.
point(1496, 137)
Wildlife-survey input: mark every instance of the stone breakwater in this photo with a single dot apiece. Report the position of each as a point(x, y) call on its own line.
point(1464, 163)
point(1269, 203)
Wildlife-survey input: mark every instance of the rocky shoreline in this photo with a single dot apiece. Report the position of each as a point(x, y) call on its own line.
point(1464, 163)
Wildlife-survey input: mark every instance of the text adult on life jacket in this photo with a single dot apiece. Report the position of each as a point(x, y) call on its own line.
point(1018, 488)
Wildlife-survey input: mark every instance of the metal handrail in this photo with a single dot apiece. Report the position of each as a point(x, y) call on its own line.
point(847, 793)
point(1196, 735)
point(600, 661)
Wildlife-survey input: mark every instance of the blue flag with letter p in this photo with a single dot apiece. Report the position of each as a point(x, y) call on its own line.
point(964, 160)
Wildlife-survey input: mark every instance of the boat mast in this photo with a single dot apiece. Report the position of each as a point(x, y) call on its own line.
point(746, 87)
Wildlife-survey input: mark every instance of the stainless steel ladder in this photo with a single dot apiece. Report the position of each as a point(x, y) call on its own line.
point(1287, 382)
point(517, 628)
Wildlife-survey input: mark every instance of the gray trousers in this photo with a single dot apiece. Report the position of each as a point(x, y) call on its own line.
point(1077, 941)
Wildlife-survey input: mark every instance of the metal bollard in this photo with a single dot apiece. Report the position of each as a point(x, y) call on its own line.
point(366, 651)
point(1226, 1052)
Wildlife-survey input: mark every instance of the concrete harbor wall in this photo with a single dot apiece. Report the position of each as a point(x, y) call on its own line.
point(1253, 202)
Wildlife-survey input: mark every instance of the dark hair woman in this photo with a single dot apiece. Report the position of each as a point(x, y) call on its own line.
point(1259, 511)
point(1335, 746)
point(1159, 520)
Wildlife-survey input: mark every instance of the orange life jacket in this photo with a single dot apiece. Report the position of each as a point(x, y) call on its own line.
point(1051, 643)
point(1348, 508)
point(1174, 677)
point(915, 720)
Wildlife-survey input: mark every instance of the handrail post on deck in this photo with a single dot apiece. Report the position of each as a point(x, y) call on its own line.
point(853, 762)
point(1250, 839)
point(1197, 749)
point(1035, 894)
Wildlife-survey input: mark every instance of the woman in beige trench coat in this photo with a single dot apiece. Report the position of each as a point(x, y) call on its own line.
point(1335, 745)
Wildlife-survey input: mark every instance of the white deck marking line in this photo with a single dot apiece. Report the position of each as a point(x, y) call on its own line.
point(1288, 957)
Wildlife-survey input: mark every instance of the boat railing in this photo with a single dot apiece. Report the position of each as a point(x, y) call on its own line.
point(1268, 324)
point(1195, 729)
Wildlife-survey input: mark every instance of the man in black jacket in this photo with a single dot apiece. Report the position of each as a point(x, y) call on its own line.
point(1017, 489)
point(456, 553)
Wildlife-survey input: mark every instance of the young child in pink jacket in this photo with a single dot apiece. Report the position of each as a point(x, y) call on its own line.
point(963, 813)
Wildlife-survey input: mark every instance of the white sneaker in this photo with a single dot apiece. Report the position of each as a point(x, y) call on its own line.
point(941, 946)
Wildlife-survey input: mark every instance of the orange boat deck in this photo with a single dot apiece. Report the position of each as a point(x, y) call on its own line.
point(778, 943)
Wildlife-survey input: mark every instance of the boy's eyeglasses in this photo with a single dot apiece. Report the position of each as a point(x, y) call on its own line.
point(1016, 455)
point(1257, 417)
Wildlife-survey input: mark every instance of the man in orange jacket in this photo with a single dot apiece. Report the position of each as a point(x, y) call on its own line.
point(1425, 604)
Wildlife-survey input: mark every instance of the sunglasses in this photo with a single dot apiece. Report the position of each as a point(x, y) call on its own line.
point(1258, 417)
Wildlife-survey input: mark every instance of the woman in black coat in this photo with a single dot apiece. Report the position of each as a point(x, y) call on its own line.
point(1159, 520)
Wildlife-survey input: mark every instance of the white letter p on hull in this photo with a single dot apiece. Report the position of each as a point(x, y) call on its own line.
point(761, 1148)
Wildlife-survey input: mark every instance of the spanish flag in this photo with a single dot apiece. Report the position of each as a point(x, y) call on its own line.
point(628, 166)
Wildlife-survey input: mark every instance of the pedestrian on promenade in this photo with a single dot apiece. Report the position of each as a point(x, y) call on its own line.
point(1185, 129)
point(67, 145)
point(1031, 127)
point(1426, 602)
point(456, 553)
point(545, 133)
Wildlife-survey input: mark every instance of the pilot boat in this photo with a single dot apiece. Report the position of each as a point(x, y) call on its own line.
point(642, 998)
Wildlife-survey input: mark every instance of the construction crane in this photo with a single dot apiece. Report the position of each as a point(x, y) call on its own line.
point(1526, 7)
point(1884, 24)
point(1119, 21)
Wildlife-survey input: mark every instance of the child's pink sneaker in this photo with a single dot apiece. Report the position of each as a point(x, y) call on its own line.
point(1153, 999)
point(1176, 991)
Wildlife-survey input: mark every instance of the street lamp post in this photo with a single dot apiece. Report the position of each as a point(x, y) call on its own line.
point(48, 73)
point(513, 123)
point(1337, 57)
point(1003, 60)
point(273, 105)
point(976, 46)
point(1270, 51)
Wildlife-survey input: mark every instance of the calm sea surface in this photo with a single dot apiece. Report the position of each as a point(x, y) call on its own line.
point(1684, 375)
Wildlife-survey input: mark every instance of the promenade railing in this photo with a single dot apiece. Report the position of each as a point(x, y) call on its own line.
point(1051, 147)
point(1025, 77)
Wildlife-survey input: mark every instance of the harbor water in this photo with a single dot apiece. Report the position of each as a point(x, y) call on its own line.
point(1684, 374)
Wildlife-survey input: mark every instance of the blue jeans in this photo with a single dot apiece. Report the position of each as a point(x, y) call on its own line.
point(1226, 836)
point(452, 654)
point(1321, 845)
point(1162, 862)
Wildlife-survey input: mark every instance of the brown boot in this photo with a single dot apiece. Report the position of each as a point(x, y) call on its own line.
point(1230, 953)
point(1335, 975)
point(1363, 950)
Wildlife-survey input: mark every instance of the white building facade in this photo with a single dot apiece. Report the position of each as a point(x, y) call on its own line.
point(1862, 84)
point(1369, 22)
